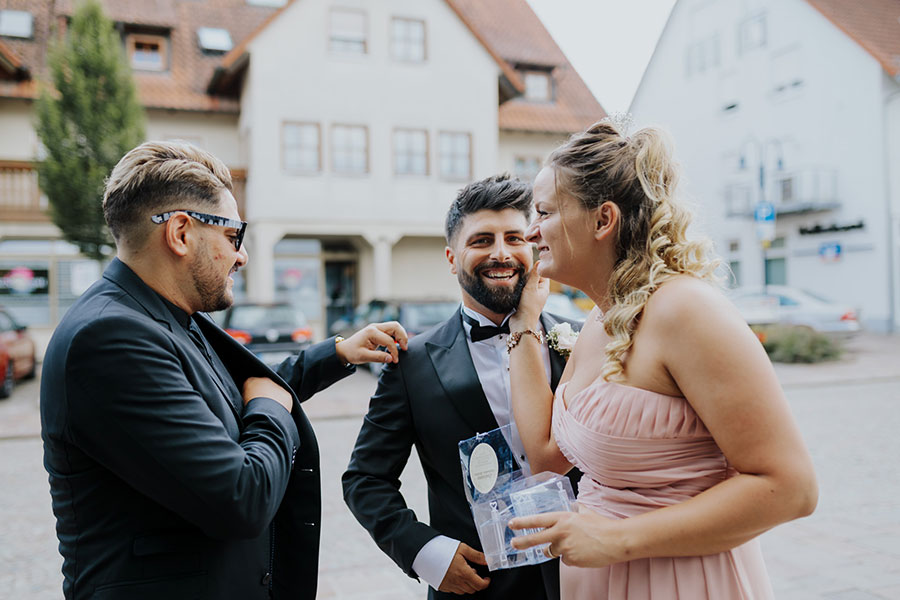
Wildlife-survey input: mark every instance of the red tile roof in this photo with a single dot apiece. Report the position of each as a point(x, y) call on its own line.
point(873, 24)
point(196, 81)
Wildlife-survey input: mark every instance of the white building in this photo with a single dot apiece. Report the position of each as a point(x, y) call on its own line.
point(804, 93)
point(349, 125)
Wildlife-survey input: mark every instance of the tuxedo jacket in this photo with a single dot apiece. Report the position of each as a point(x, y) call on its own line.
point(432, 399)
point(163, 484)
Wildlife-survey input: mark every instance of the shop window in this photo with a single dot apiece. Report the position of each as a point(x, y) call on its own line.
point(455, 155)
point(408, 39)
point(410, 152)
point(347, 31)
point(147, 52)
point(350, 149)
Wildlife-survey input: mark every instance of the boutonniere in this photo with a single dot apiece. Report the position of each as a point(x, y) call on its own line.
point(561, 338)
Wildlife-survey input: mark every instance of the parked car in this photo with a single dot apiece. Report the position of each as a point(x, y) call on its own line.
point(271, 331)
point(17, 353)
point(416, 316)
point(782, 305)
point(564, 306)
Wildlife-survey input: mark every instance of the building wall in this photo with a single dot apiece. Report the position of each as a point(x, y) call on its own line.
point(515, 145)
point(819, 125)
point(18, 140)
point(892, 158)
point(454, 90)
point(422, 268)
point(213, 132)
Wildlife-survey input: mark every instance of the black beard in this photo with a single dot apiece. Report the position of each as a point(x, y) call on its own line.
point(497, 300)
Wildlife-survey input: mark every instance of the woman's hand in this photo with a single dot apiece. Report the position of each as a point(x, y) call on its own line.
point(534, 296)
point(582, 539)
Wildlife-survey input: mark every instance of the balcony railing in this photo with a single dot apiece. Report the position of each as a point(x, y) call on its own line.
point(792, 192)
point(20, 196)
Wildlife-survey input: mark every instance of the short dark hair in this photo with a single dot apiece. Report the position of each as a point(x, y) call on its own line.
point(497, 192)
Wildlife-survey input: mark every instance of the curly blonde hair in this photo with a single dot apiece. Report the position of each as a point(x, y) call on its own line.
point(638, 174)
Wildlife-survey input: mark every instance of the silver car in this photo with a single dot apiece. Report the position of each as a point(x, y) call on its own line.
point(782, 305)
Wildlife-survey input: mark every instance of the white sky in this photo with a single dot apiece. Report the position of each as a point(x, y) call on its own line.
point(609, 42)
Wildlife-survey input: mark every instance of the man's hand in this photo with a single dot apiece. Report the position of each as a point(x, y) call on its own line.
point(256, 387)
point(362, 346)
point(461, 578)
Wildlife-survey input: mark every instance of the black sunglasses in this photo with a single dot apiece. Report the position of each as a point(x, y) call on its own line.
point(241, 226)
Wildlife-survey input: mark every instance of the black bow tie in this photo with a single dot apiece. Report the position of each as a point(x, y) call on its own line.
point(482, 332)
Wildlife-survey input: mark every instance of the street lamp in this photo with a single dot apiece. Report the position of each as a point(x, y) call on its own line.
point(764, 211)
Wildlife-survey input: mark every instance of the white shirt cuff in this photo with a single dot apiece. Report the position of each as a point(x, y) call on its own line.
point(434, 559)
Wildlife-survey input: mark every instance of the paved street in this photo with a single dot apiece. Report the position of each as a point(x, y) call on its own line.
point(849, 413)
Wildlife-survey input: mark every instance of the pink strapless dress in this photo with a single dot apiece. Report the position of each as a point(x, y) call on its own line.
point(640, 450)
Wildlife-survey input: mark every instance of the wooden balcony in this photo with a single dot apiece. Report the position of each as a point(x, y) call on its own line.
point(20, 196)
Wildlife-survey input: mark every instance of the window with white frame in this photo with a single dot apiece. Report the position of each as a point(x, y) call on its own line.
point(347, 31)
point(752, 33)
point(527, 167)
point(455, 151)
point(703, 55)
point(410, 152)
point(538, 86)
point(408, 39)
point(301, 149)
point(350, 149)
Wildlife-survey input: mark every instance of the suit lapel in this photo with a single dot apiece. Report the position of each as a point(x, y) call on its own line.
point(120, 274)
point(449, 354)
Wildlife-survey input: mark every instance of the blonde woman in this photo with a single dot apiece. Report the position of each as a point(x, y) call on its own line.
point(668, 403)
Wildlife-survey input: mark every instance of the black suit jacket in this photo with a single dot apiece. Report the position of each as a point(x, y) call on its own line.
point(163, 484)
point(432, 399)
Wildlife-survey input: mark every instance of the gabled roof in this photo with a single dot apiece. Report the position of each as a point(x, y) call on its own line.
point(518, 36)
point(873, 24)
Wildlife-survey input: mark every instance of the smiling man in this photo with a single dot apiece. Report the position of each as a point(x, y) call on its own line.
point(180, 465)
point(452, 383)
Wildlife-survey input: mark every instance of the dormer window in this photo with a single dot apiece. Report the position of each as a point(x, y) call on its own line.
point(538, 86)
point(147, 52)
point(214, 39)
point(17, 24)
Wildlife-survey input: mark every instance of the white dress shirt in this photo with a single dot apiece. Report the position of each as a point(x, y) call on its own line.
point(491, 361)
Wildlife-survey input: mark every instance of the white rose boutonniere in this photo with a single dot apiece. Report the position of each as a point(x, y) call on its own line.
point(561, 338)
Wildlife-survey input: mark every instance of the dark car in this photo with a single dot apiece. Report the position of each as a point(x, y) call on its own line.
point(415, 316)
point(17, 353)
point(271, 331)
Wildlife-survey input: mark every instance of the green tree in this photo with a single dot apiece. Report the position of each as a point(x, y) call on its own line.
point(87, 119)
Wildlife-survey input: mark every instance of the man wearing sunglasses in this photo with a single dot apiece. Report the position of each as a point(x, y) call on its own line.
point(180, 465)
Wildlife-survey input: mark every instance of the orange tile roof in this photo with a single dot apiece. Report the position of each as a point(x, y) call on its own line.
point(873, 24)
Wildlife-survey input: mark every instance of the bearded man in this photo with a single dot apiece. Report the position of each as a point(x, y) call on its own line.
point(180, 465)
point(451, 383)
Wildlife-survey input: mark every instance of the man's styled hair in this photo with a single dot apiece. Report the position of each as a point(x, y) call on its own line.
point(156, 177)
point(498, 192)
